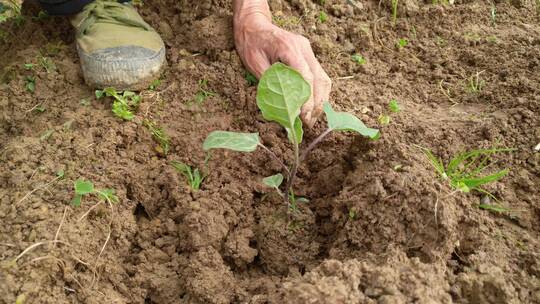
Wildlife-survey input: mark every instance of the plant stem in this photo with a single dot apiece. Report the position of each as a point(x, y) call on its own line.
point(274, 156)
point(314, 143)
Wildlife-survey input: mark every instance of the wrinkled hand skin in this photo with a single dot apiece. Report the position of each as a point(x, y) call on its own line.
point(261, 43)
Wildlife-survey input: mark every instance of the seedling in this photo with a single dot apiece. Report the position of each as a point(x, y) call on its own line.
point(465, 171)
point(124, 103)
point(402, 42)
point(323, 17)
point(475, 83)
point(394, 10)
point(251, 79)
point(194, 177)
point(394, 106)
point(203, 92)
point(358, 59)
point(30, 84)
point(83, 188)
point(281, 93)
point(159, 136)
point(154, 85)
point(384, 119)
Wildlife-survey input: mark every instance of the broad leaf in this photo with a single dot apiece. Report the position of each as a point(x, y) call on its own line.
point(273, 181)
point(83, 187)
point(280, 95)
point(242, 142)
point(298, 131)
point(341, 121)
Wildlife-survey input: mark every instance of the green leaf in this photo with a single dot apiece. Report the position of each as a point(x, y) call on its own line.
point(242, 142)
point(83, 187)
point(358, 59)
point(99, 94)
point(299, 132)
point(394, 106)
point(341, 121)
point(281, 93)
point(273, 181)
point(76, 201)
point(479, 181)
point(108, 194)
point(181, 167)
point(384, 119)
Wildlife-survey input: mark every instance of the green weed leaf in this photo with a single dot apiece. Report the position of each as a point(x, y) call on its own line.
point(394, 106)
point(76, 201)
point(83, 187)
point(108, 195)
point(273, 181)
point(241, 142)
point(281, 93)
point(341, 121)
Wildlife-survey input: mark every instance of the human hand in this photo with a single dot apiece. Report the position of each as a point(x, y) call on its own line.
point(260, 44)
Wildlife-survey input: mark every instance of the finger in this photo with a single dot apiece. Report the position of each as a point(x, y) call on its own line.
point(294, 59)
point(322, 84)
point(257, 62)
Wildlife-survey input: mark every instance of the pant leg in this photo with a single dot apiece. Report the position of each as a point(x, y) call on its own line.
point(63, 7)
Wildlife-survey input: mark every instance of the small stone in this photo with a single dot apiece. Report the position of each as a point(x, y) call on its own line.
point(485, 200)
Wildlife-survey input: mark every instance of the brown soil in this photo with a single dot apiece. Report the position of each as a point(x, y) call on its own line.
point(370, 234)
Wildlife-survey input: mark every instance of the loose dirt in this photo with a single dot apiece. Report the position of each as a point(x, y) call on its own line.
point(380, 227)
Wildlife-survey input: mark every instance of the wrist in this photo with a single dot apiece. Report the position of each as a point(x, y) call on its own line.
point(246, 10)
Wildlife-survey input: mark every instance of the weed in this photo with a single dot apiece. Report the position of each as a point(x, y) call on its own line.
point(465, 171)
point(83, 187)
point(281, 93)
point(402, 42)
point(30, 84)
point(323, 17)
point(394, 106)
point(194, 176)
point(475, 84)
point(159, 136)
point(11, 10)
point(384, 119)
point(28, 66)
point(358, 59)
point(352, 214)
point(40, 109)
point(394, 10)
point(251, 79)
point(203, 92)
point(124, 103)
point(493, 14)
point(46, 63)
point(154, 85)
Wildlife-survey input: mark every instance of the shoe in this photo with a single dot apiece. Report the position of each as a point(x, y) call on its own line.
point(116, 47)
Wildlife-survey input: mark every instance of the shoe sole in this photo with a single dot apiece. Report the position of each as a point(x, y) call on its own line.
point(115, 68)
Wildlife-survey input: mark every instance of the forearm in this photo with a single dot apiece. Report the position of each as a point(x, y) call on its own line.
point(244, 8)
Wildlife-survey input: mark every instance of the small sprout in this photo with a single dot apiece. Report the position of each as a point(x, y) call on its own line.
point(251, 79)
point(359, 59)
point(493, 14)
point(394, 106)
point(47, 64)
point(394, 10)
point(203, 92)
point(40, 109)
point(283, 106)
point(159, 136)
point(323, 17)
point(475, 83)
point(398, 167)
point(46, 135)
point(384, 119)
point(352, 214)
point(464, 171)
point(28, 66)
point(84, 187)
point(402, 42)
point(194, 177)
point(124, 104)
point(30, 84)
point(60, 174)
point(154, 85)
